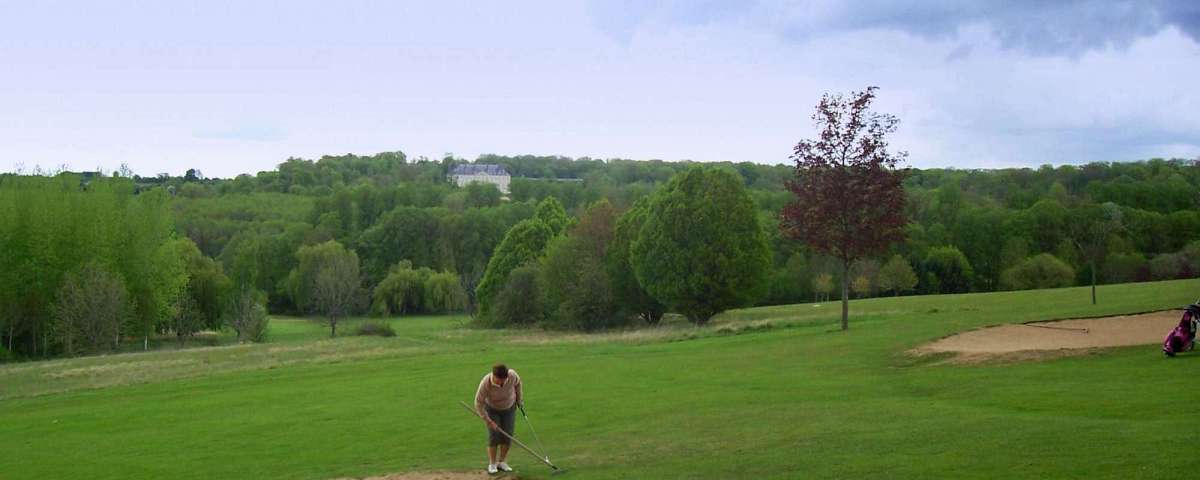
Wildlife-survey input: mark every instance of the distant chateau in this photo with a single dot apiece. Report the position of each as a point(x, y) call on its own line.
point(493, 174)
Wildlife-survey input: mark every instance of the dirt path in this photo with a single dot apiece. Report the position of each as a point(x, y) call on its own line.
point(1052, 339)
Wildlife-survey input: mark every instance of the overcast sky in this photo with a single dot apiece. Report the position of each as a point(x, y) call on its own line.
point(237, 87)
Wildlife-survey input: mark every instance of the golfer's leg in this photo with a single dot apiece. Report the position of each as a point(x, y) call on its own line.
point(491, 454)
point(508, 423)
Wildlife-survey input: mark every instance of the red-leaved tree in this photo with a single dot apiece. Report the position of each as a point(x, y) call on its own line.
point(849, 197)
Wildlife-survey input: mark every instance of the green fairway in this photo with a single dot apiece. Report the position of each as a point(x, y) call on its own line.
point(775, 392)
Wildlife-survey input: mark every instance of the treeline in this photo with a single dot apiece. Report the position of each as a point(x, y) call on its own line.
point(421, 244)
point(85, 266)
point(968, 227)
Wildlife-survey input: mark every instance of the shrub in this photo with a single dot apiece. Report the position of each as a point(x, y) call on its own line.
point(444, 293)
point(520, 302)
point(257, 326)
point(5, 355)
point(950, 269)
point(401, 292)
point(248, 315)
point(1040, 271)
point(1126, 267)
point(1168, 266)
point(861, 286)
point(378, 329)
point(897, 276)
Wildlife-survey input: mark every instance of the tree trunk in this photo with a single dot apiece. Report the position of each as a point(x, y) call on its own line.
point(146, 342)
point(332, 327)
point(1093, 266)
point(845, 294)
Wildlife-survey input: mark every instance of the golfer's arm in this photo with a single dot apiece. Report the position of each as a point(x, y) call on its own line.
point(520, 392)
point(479, 405)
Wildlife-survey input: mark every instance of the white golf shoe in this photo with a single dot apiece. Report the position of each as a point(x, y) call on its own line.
point(492, 469)
point(503, 466)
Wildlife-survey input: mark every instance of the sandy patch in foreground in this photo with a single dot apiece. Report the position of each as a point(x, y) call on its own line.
point(479, 475)
point(1052, 339)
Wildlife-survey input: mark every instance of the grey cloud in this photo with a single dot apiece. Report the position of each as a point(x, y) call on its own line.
point(1038, 27)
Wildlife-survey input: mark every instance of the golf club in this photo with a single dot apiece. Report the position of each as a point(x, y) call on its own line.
point(531, 430)
point(514, 440)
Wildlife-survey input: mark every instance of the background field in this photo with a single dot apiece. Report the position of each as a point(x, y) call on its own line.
point(771, 392)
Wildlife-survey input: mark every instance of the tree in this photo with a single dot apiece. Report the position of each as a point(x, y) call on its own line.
point(949, 269)
point(248, 314)
point(849, 200)
point(405, 233)
point(823, 286)
point(91, 307)
point(632, 298)
point(576, 286)
point(702, 250)
point(519, 302)
point(188, 318)
point(326, 280)
point(206, 290)
point(481, 194)
point(1090, 227)
point(1040, 271)
point(444, 293)
point(861, 286)
point(897, 276)
point(524, 243)
point(550, 211)
point(401, 292)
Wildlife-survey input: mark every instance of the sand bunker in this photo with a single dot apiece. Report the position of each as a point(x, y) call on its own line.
point(478, 475)
point(1052, 339)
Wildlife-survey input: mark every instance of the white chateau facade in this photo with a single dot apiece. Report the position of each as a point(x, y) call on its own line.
point(493, 174)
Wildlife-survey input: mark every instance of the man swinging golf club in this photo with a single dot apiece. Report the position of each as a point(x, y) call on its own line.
point(496, 402)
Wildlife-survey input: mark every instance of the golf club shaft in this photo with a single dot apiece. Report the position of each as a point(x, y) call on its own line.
point(531, 430)
point(510, 437)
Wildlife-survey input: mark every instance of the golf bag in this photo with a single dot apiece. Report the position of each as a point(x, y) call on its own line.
point(1183, 337)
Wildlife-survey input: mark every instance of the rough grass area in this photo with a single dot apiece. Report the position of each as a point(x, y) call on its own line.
point(772, 392)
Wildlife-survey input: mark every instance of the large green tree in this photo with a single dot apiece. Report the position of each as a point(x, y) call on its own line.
point(632, 298)
point(524, 243)
point(702, 250)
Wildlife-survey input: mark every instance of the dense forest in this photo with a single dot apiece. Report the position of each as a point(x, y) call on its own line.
point(176, 255)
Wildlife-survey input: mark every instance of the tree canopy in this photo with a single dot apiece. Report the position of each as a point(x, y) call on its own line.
point(701, 249)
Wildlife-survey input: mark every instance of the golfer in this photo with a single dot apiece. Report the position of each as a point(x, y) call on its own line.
point(496, 402)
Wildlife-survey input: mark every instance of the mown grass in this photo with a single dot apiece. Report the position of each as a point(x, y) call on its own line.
point(773, 392)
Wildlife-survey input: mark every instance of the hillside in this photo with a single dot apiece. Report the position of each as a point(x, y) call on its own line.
point(763, 393)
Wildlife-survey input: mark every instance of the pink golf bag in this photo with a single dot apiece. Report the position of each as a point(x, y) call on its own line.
point(1183, 337)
